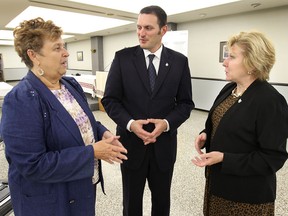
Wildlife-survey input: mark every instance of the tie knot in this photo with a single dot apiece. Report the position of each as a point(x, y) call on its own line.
point(151, 57)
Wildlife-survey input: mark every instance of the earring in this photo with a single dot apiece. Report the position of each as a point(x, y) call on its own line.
point(249, 73)
point(41, 72)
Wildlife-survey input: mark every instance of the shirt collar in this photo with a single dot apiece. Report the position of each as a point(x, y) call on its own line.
point(157, 53)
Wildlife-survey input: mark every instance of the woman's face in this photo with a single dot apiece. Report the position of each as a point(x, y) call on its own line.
point(234, 67)
point(53, 58)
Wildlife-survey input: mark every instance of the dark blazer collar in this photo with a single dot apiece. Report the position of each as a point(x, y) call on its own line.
point(164, 67)
point(227, 90)
point(141, 68)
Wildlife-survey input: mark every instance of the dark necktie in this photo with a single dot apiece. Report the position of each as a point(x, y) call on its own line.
point(151, 71)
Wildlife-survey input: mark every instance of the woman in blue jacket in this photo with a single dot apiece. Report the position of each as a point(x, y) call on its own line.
point(53, 142)
point(245, 135)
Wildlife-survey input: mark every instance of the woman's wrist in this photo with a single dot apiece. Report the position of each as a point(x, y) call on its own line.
point(107, 134)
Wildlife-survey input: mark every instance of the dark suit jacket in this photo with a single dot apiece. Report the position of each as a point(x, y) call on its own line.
point(127, 96)
point(253, 135)
point(50, 169)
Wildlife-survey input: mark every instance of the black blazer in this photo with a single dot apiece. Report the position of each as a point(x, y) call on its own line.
point(127, 96)
point(253, 136)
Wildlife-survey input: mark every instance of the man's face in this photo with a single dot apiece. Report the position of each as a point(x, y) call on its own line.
point(149, 33)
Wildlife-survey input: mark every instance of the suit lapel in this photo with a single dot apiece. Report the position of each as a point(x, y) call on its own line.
point(164, 67)
point(141, 68)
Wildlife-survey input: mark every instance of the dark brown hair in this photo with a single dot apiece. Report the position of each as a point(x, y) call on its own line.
point(158, 12)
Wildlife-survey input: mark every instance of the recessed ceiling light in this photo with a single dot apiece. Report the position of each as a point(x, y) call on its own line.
point(202, 15)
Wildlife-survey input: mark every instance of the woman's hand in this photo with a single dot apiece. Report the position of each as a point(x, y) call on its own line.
point(109, 152)
point(107, 134)
point(208, 159)
point(199, 142)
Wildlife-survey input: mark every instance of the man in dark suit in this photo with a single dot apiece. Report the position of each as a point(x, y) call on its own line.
point(148, 115)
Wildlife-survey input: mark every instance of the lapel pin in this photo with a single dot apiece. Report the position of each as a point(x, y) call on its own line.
point(166, 64)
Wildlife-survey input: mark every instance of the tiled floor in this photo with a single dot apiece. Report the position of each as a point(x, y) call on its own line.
point(188, 180)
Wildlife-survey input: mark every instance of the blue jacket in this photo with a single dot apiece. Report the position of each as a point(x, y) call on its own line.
point(50, 168)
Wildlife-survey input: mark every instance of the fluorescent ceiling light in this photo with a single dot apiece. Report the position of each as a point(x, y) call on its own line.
point(67, 36)
point(170, 6)
point(7, 42)
point(70, 22)
point(8, 35)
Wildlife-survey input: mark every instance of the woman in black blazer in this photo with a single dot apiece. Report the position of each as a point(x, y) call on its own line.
point(245, 135)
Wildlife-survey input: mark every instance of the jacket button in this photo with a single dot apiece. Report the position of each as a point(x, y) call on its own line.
point(71, 201)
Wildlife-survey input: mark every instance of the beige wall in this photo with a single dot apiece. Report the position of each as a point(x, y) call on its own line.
point(81, 46)
point(205, 35)
point(11, 58)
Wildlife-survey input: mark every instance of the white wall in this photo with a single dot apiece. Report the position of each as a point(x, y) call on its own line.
point(205, 35)
point(11, 58)
point(82, 46)
point(113, 43)
point(13, 68)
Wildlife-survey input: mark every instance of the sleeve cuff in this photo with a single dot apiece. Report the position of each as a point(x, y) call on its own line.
point(168, 126)
point(129, 125)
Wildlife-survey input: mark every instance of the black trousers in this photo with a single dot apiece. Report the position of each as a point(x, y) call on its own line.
point(159, 183)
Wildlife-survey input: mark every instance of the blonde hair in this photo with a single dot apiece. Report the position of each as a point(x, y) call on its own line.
point(258, 52)
point(30, 34)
